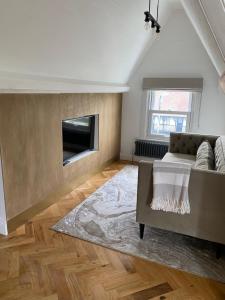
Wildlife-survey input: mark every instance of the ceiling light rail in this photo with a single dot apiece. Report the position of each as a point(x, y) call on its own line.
point(150, 19)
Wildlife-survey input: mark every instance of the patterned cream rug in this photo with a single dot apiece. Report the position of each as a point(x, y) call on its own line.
point(107, 218)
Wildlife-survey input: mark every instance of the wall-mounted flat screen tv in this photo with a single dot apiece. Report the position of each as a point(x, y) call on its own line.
point(78, 136)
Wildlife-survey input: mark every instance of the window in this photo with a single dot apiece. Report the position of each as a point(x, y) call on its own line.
point(168, 111)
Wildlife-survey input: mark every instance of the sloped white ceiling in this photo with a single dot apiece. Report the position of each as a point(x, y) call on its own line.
point(91, 40)
point(198, 15)
point(215, 13)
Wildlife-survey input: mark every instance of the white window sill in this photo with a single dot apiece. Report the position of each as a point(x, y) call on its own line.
point(152, 139)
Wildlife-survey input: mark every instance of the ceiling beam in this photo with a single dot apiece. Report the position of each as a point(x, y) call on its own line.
point(198, 19)
point(11, 82)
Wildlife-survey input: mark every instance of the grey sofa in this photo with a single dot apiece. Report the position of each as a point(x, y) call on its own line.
point(206, 194)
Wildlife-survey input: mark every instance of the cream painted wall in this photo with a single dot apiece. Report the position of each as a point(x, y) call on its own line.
point(177, 53)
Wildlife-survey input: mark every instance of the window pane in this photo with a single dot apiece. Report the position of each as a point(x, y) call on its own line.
point(163, 124)
point(171, 101)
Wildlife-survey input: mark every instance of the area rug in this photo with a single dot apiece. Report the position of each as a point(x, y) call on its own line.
point(107, 218)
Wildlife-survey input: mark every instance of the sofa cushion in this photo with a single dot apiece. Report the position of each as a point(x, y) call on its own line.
point(188, 143)
point(220, 154)
point(178, 157)
point(205, 157)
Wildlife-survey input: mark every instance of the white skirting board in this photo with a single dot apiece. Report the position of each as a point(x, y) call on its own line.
point(135, 158)
point(124, 156)
point(3, 220)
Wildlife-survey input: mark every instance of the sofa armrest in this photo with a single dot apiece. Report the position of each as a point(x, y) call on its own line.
point(188, 143)
point(207, 201)
point(145, 185)
point(207, 190)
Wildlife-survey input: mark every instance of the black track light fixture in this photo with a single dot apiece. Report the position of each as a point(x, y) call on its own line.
point(149, 18)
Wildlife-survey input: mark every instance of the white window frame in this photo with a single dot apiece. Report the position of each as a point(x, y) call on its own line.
point(150, 112)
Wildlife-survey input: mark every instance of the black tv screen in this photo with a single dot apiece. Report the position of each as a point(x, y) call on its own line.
point(78, 136)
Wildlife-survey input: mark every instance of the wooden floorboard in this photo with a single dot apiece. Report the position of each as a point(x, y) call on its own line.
point(37, 263)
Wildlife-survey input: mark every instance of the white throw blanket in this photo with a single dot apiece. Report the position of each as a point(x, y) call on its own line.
point(170, 187)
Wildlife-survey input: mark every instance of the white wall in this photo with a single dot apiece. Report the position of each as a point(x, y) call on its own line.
point(178, 52)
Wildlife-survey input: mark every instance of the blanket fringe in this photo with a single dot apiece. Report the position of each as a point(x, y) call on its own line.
point(169, 205)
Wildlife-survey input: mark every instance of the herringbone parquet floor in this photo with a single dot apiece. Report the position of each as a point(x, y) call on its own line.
point(37, 263)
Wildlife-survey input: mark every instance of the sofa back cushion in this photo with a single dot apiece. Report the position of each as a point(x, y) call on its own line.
point(188, 143)
point(220, 154)
point(205, 157)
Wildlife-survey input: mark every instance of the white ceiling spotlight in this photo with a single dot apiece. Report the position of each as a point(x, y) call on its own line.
point(149, 18)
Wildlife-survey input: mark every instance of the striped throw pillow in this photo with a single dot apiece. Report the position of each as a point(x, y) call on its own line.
point(205, 157)
point(220, 154)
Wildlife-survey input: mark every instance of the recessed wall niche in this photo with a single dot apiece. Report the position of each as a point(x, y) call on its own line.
point(80, 137)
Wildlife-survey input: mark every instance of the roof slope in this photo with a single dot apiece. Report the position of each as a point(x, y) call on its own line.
point(215, 13)
point(96, 41)
point(59, 45)
point(207, 17)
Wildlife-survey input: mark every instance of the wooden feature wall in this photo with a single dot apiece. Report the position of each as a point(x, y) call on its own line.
point(31, 144)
